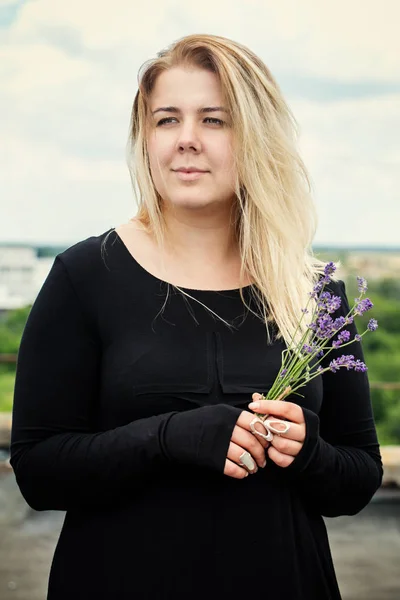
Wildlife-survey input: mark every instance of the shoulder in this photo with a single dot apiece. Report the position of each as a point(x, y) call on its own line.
point(86, 256)
point(336, 287)
point(88, 249)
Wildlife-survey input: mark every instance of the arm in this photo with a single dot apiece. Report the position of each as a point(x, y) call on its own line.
point(339, 467)
point(60, 461)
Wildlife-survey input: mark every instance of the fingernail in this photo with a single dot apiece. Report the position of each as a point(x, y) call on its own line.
point(254, 405)
point(264, 463)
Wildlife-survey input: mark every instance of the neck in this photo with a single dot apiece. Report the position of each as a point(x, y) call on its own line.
point(195, 239)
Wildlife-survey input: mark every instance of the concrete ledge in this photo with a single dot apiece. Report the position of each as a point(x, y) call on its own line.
point(390, 454)
point(5, 429)
point(391, 465)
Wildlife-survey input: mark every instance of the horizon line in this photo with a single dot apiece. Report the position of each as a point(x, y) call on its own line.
point(318, 245)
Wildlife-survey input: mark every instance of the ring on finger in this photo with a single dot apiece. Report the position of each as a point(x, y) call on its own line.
point(268, 425)
point(245, 460)
point(267, 436)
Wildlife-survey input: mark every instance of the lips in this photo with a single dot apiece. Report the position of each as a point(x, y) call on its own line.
point(190, 170)
point(189, 175)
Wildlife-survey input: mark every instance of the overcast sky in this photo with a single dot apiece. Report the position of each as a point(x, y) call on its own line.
point(69, 69)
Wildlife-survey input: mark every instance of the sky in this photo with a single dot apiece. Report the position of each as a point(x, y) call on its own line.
point(68, 73)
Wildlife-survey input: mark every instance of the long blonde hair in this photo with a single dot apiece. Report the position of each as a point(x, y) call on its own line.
point(275, 219)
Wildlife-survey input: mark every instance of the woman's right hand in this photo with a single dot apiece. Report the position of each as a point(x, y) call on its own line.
point(243, 440)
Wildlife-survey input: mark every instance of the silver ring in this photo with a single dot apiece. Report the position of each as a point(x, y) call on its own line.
point(267, 436)
point(246, 460)
point(267, 425)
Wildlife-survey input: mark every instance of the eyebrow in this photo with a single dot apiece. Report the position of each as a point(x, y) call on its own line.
point(200, 111)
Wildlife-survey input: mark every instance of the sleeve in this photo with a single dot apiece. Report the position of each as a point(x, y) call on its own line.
point(339, 467)
point(60, 462)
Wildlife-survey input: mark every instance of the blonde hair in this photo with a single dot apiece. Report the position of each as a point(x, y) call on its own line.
point(275, 218)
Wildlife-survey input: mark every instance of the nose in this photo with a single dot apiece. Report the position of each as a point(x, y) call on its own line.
point(188, 137)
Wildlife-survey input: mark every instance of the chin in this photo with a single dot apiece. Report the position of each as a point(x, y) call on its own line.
point(191, 203)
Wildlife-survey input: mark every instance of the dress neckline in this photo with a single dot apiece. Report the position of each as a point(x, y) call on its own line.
point(162, 281)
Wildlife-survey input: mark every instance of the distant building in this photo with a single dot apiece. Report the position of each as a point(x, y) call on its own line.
point(22, 275)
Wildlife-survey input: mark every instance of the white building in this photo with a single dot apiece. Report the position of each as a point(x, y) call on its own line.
point(22, 274)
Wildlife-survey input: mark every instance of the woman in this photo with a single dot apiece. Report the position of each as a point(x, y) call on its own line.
point(147, 343)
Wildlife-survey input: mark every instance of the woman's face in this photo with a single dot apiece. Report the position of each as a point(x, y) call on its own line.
point(184, 137)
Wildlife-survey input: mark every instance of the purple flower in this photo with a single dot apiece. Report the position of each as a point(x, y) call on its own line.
point(307, 349)
point(334, 304)
point(330, 268)
point(360, 366)
point(317, 288)
point(362, 284)
point(339, 323)
point(325, 328)
point(283, 373)
point(357, 337)
point(329, 302)
point(304, 310)
point(344, 336)
point(363, 306)
point(372, 325)
point(348, 362)
point(326, 279)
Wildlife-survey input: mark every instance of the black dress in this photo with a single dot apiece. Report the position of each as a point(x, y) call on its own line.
point(125, 401)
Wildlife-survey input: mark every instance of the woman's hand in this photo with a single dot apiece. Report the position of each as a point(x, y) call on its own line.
point(243, 440)
point(284, 447)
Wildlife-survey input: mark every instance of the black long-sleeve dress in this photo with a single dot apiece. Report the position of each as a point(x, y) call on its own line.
point(124, 405)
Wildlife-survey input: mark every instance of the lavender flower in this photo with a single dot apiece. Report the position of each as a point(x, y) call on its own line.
point(343, 337)
point(333, 304)
point(297, 362)
point(360, 366)
point(348, 362)
point(339, 323)
point(330, 268)
point(316, 289)
point(325, 327)
point(362, 284)
point(363, 306)
point(307, 349)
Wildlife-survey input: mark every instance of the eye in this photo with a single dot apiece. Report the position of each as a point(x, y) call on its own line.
point(168, 120)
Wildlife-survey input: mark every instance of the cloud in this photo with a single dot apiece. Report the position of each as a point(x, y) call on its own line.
point(352, 150)
point(69, 75)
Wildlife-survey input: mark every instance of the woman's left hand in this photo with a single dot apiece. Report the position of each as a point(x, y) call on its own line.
point(285, 446)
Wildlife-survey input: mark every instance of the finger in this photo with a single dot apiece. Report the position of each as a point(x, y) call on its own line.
point(295, 432)
point(248, 441)
point(279, 408)
point(285, 446)
point(282, 460)
point(244, 421)
point(233, 470)
point(234, 453)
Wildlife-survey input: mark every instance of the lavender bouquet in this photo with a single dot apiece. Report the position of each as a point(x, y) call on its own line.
point(317, 341)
